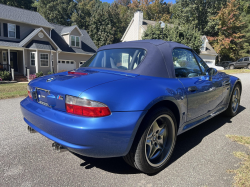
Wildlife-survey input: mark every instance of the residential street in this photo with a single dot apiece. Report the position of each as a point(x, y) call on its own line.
point(201, 157)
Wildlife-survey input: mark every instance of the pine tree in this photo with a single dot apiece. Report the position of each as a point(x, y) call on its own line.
point(56, 11)
point(244, 8)
point(82, 13)
point(101, 29)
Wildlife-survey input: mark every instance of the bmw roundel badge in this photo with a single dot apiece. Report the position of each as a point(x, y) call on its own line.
point(50, 79)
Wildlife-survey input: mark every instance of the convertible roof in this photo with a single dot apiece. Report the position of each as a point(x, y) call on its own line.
point(158, 61)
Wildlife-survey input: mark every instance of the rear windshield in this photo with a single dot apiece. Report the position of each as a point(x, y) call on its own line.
point(125, 59)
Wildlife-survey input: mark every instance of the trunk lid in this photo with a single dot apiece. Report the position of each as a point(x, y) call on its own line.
point(51, 90)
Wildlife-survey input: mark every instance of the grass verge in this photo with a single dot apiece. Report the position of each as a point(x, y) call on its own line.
point(235, 71)
point(242, 174)
point(13, 90)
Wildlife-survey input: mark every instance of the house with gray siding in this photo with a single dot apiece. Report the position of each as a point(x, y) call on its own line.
point(28, 41)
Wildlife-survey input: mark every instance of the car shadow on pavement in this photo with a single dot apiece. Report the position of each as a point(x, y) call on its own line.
point(184, 143)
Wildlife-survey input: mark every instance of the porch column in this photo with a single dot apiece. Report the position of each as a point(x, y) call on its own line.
point(24, 70)
point(56, 61)
point(9, 58)
point(51, 54)
point(36, 61)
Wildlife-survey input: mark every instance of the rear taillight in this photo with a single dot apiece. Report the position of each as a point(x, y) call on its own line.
point(29, 92)
point(85, 107)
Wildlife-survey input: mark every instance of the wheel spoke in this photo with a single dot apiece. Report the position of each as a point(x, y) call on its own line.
point(233, 98)
point(153, 151)
point(156, 127)
point(160, 142)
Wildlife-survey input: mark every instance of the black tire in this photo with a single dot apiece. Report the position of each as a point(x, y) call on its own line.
point(231, 67)
point(140, 151)
point(231, 111)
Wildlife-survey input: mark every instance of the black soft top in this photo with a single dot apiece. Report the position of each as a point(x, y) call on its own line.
point(158, 61)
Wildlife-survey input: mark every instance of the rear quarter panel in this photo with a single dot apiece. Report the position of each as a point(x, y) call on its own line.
point(139, 94)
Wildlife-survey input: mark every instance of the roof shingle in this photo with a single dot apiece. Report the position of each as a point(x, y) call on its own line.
point(23, 16)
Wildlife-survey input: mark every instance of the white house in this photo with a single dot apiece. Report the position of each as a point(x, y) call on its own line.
point(138, 25)
point(207, 53)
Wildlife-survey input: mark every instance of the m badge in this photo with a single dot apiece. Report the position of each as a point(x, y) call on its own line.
point(60, 97)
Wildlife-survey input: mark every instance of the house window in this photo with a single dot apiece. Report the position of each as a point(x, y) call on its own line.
point(75, 41)
point(11, 30)
point(4, 57)
point(32, 58)
point(44, 59)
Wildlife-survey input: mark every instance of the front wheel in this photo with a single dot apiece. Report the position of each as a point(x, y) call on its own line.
point(248, 66)
point(231, 67)
point(154, 143)
point(234, 103)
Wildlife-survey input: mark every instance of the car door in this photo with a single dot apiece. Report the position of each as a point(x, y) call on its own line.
point(238, 64)
point(202, 94)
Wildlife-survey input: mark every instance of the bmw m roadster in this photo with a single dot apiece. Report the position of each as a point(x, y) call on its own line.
point(130, 99)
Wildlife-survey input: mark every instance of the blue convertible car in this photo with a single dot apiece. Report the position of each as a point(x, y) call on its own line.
point(130, 99)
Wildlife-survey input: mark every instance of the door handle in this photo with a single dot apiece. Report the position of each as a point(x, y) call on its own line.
point(192, 88)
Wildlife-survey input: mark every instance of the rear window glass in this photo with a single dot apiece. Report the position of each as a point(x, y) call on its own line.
point(125, 59)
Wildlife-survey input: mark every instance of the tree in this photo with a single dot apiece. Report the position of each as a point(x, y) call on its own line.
point(26, 4)
point(82, 13)
point(102, 25)
point(56, 11)
point(186, 35)
point(160, 10)
point(197, 13)
point(229, 28)
point(142, 5)
point(244, 8)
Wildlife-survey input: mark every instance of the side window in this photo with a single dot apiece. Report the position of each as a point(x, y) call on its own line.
point(185, 64)
point(202, 64)
point(246, 59)
point(240, 60)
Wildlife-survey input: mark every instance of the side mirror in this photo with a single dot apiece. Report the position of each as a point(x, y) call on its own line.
point(211, 72)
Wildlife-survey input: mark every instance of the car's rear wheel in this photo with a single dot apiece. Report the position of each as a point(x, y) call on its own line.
point(154, 143)
point(233, 106)
point(231, 67)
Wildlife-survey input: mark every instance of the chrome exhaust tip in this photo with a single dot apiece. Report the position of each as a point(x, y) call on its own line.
point(31, 130)
point(58, 147)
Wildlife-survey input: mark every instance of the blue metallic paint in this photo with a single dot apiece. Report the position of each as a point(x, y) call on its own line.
point(129, 96)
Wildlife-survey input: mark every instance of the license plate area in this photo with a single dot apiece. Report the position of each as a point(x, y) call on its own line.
point(42, 96)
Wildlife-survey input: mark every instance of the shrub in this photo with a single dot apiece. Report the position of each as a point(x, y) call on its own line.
point(32, 76)
point(5, 75)
point(49, 73)
point(39, 74)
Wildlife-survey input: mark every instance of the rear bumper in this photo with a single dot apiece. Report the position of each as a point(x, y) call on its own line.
point(109, 136)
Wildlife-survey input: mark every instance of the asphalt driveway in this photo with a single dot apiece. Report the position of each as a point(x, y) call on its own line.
point(201, 158)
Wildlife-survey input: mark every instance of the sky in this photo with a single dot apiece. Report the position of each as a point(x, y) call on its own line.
point(110, 1)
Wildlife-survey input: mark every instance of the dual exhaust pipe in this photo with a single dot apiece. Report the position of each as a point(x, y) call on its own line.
point(31, 130)
point(56, 146)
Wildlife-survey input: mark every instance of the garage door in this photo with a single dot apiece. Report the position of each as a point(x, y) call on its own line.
point(66, 65)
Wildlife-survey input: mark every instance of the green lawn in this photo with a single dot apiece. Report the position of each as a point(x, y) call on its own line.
point(235, 71)
point(13, 90)
point(242, 174)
